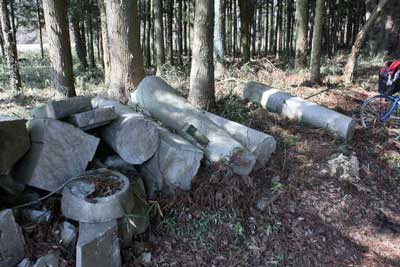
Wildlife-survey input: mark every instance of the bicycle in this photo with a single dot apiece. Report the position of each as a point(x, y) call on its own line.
point(381, 111)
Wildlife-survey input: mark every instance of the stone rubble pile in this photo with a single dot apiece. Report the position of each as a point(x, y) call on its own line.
point(73, 146)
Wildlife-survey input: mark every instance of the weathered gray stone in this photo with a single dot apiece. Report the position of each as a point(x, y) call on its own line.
point(38, 216)
point(174, 164)
point(299, 109)
point(93, 118)
point(11, 240)
point(59, 152)
point(68, 233)
point(25, 263)
point(98, 245)
point(137, 219)
point(49, 260)
point(162, 101)
point(10, 186)
point(58, 109)
point(76, 205)
point(14, 141)
point(260, 144)
point(132, 136)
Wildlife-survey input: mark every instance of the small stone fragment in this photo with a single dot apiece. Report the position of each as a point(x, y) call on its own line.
point(58, 109)
point(98, 245)
point(14, 141)
point(11, 240)
point(146, 257)
point(59, 152)
point(93, 118)
point(49, 260)
point(68, 233)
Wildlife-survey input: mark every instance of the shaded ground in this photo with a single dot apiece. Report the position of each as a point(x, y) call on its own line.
point(317, 219)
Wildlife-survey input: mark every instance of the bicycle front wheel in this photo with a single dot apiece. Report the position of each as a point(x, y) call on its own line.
point(375, 114)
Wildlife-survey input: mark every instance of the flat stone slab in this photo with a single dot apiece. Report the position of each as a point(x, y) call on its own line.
point(93, 118)
point(59, 152)
point(58, 109)
point(11, 240)
point(14, 141)
point(174, 164)
point(49, 260)
point(98, 245)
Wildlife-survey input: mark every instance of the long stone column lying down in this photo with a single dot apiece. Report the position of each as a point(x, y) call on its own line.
point(299, 109)
point(131, 135)
point(260, 144)
point(162, 102)
point(174, 165)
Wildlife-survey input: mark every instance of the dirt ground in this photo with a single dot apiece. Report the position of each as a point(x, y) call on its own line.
point(313, 219)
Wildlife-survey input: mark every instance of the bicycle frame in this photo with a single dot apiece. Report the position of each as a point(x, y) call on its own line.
point(396, 101)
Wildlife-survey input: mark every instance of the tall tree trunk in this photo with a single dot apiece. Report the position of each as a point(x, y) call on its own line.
point(55, 14)
point(89, 23)
point(266, 28)
point(11, 49)
point(271, 33)
point(180, 31)
point(148, 32)
point(352, 60)
point(12, 14)
point(159, 35)
point(3, 54)
point(104, 41)
point(201, 92)
point(39, 17)
point(316, 42)
point(218, 46)
point(246, 14)
point(235, 26)
point(126, 58)
point(301, 33)
point(185, 27)
point(170, 18)
point(80, 45)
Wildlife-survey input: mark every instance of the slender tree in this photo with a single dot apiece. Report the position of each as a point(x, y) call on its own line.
point(170, 20)
point(159, 35)
point(218, 45)
point(201, 92)
point(301, 33)
point(126, 58)
point(10, 49)
point(39, 18)
point(352, 60)
point(104, 42)
point(246, 14)
point(316, 42)
point(76, 22)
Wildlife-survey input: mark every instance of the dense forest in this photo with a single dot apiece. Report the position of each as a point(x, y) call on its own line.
point(244, 133)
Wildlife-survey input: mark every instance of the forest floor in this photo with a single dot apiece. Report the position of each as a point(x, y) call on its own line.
point(314, 218)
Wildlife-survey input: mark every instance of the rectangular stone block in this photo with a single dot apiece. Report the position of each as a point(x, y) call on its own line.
point(93, 118)
point(59, 152)
point(14, 141)
point(174, 164)
point(58, 109)
point(12, 241)
point(98, 245)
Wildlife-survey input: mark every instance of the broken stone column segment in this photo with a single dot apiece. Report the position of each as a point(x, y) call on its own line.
point(296, 108)
point(81, 203)
point(59, 152)
point(94, 118)
point(59, 109)
point(98, 245)
point(260, 144)
point(12, 242)
point(174, 165)
point(159, 99)
point(14, 141)
point(133, 136)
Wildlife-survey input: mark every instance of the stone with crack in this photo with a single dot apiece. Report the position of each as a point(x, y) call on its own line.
point(59, 152)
